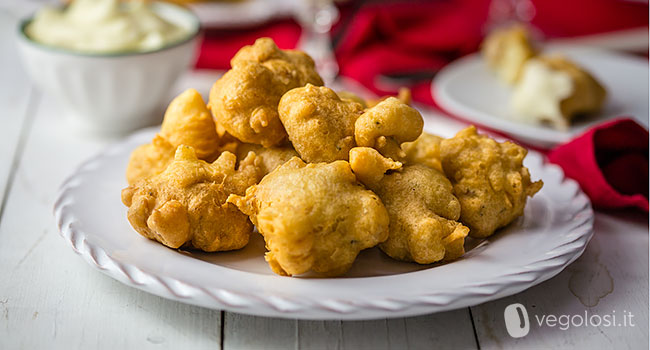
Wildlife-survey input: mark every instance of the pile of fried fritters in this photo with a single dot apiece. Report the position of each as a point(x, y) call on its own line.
point(322, 175)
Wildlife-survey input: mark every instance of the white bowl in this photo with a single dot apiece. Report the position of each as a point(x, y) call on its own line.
point(112, 93)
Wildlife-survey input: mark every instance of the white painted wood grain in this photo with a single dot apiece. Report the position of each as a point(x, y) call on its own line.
point(49, 297)
point(448, 330)
point(15, 92)
point(612, 275)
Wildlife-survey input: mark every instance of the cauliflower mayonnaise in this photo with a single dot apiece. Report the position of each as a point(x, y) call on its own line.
point(104, 26)
point(540, 91)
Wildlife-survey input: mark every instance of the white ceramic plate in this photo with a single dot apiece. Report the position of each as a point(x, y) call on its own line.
point(467, 88)
point(553, 232)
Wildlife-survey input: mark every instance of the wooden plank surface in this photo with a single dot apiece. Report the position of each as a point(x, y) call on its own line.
point(610, 278)
point(447, 330)
point(15, 94)
point(49, 297)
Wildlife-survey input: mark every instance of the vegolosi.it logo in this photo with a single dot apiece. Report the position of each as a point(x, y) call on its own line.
point(518, 322)
point(516, 318)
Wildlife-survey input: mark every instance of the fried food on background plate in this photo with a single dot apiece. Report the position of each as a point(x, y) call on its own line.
point(314, 217)
point(245, 99)
point(554, 90)
point(424, 150)
point(267, 159)
point(421, 206)
point(185, 205)
point(320, 125)
point(386, 126)
point(506, 50)
point(187, 122)
point(489, 180)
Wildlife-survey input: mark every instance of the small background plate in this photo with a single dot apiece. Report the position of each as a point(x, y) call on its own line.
point(468, 89)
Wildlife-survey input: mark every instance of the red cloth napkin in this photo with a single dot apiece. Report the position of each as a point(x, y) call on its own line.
point(610, 162)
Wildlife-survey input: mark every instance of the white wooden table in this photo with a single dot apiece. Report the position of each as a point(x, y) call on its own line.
point(51, 299)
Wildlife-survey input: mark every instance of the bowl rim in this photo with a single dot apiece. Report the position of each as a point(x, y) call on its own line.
point(196, 30)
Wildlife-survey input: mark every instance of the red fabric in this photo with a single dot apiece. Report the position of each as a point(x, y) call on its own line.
point(561, 18)
point(610, 162)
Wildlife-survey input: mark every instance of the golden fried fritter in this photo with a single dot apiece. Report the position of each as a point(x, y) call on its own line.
point(245, 100)
point(422, 209)
point(149, 159)
point(267, 159)
point(425, 150)
point(288, 65)
point(187, 122)
point(185, 205)
point(386, 126)
point(370, 166)
point(506, 50)
point(320, 125)
point(489, 180)
point(314, 217)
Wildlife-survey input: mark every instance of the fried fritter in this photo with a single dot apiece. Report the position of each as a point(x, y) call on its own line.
point(320, 125)
point(149, 159)
point(506, 50)
point(314, 217)
point(245, 100)
point(489, 180)
point(422, 209)
point(386, 126)
point(187, 122)
point(267, 158)
point(425, 150)
point(185, 205)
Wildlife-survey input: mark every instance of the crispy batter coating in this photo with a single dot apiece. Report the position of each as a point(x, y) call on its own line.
point(320, 125)
point(267, 159)
point(185, 205)
point(506, 50)
point(187, 122)
point(489, 180)
point(314, 217)
point(149, 159)
point(422, 209)
point(245, 100)
point(288, 65)
point(369, 165)
point(387, 125)
point(424, 150)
